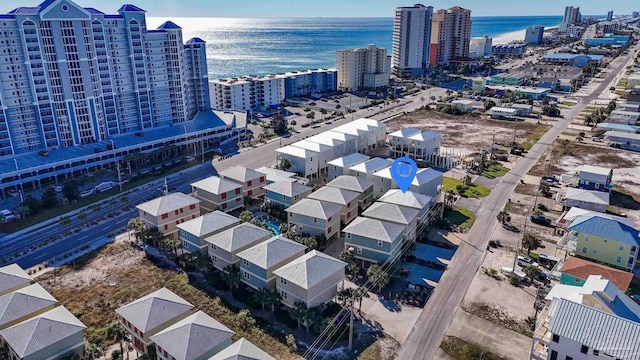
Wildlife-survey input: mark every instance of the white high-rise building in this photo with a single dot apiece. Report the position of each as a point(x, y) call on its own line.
point(364, 68)
point(412, 40)
point(534, 35)
point(480, 47)
point(451, 31)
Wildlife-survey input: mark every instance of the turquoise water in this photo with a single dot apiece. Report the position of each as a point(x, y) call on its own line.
point(263, 46)
point(272, 224)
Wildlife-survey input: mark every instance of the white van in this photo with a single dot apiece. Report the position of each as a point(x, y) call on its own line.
point(7, 215)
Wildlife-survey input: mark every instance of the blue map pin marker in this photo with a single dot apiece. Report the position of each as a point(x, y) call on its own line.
point(403, 171)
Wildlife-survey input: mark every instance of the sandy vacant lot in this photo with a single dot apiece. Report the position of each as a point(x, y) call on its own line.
point(464, 133)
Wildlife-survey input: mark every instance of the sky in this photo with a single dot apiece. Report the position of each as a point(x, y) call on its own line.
point(340, 8)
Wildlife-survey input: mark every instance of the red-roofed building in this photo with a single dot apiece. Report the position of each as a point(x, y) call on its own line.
point(575, 271)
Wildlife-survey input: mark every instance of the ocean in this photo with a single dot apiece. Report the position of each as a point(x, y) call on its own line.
point(264, 46)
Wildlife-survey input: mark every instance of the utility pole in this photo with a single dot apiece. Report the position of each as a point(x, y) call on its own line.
point(351, 322)
point(119, 178)
point(524, 233)
point(202, 147)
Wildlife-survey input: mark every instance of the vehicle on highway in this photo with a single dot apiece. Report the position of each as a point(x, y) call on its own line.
point(86, 193)
point(525, 262)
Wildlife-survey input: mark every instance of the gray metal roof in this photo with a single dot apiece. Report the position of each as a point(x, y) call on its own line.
point(596, 197)
point(192, 337)
point(409, 198)
point(42, 331)
point(349, 160)
point(592, 169)
point(374, 229)
point(241, 174)
point(391, 212)
point(275, 175)
point(12, 276)
point(209, 223)
point(287, 188)
point(609, 334)
point(315, 208)
point(242, 349)
point(352, 183)
point(406, 132)
point(310, 269)
point(167, 203)
point(23, 302)
point(154, 309)
point(371, 166)
point(334, 195)
point(216, 185)
point(239, 237)
point(268, 253)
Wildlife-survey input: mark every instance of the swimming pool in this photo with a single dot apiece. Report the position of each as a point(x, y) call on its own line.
point(272, 223)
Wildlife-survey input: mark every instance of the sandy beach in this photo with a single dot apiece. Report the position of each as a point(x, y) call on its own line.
point(517, 36)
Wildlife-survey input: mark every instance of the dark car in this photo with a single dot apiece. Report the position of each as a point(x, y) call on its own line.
point(540, 220)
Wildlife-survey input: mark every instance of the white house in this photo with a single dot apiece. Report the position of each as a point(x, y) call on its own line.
point(303, 161)
point(366, 169)
point(586, 199)
point(523, 109)
point(503, 113)
point(370, 133)
point(350, 141)
point(464, 105)
point(414, 143)
point(337, 146)
point(216, 193)
point(411, 199)
point(324, 153)
point(342, 165)
point(592, 177)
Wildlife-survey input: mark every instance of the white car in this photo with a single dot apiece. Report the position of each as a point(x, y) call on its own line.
point(57, 188)
point(596, 139)
point(525, 262)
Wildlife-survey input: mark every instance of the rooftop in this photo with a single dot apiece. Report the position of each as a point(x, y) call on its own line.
point(12, 276)
point(429, 134)
point(334, 195)
point(315, 208)
point(594, 197)
point(271, 252)
point(242, 349)
point(295, 151)
point(274, 175)
point(349, 160)
point(405, 132)
point(582, 269)
point(241, 174)
point(208, 223)
point(591, 169)
point(622, 135)
point(42, 331)
point(374, 229)
point(216, 185)
point(310, 269)
point(154, 309)
point(391, 212)
point(606, 228)
point(287, 188)
point(23, 302)
point(352, 183)
point(371, 166)
point(325, 139)
point(239, 237)
point(312, 146)
point(192, 337)
point(410, 198)
point(167, 203)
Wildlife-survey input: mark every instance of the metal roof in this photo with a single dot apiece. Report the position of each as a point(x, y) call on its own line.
point(239, 237)
point(216, 185)
point(271, 252)
point(287, 188)
point(591, 196)
point(295, 151)
point(42, 331)
point(12, 276)
point(623, 135)
point(209, 223)
point(310, 269)
point(353, 183)
point(609, 334)
point(241, 174)
point(374, 229)
point(312, 146)
point(591, 169)
point(606, 228)
point(192, 337)
point(130, 7)
point(371, 166)
point(315, 209)
point(169, 25)
point(391, 212)
point(167, 203)
point(242, 349)
point(275, 175)
point(411, 199)
point(154, 309)
point(405, 132)
point(334, 195)
point(349, 160)
point(23, 302)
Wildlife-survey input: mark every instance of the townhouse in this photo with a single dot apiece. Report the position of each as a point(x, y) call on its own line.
point(196, 337)
point(347, 199)
point(605, 240)
point(315, 218)
point(151, 314)
point(342, 165)
point(218, 194)
point(193, 233)
point(252, 181)
point(312, 279)
point(350, 141)
point(370, 134)
point(258, 262)
point(366, 169)
point(12, 278)
point(336, 145)
point(303, 162)
point(411, 199)
point(585, 199)
point(285, 193)
point(275, 175)
point(427, 181)
point(362, 186)
point(321, 152)
point(414, 143)
point(24, 303)
point(592, 177)
point(225, 246)
point(402, 215)
point(167, 212)
point(373, 241)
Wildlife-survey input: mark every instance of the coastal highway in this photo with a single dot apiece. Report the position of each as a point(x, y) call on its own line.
point(427, 333)
point(262, 155)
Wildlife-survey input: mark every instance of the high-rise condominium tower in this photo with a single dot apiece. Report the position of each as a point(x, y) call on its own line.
point(412, 40)
point(450, 34)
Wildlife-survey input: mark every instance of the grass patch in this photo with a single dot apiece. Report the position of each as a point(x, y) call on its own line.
point(373, 352)
point(462, 350)
point(534, 133)
point(498, 316)
point(460, 216)
point(507, 207)
point(59, 210)
point(569, 103)
point(619, 92)
point(494, 171)
point(474, 190)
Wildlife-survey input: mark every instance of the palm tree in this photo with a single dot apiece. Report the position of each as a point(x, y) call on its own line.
point(172, 244)
point(313, 316)
point(154, 236)
point(137, 226)
point(345, 296)
point(359, 294)
point(261, 296)
point(449, 198)
point(466, 181)
point(231, 276)
point(311, 115)
point(22, 211)
point(92, 352)
point(504, 217)
point(352, 269)
point(299, 312)
point(117, 332)
point(378, 276)
point(272, 298)
point(530, 242)
point(433, 99)
point(323, 111)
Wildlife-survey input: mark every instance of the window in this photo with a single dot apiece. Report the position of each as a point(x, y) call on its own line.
point(618, 259)
point(348, 236)
point(584, 250)
point(379, 243)
point(283, 280)
point(554, 355)
point(621, 247)
point(329, 219)
point(245, 261)
point(237, 191)
point(284, 197)
point(315, 220)
point(249, 183)
point(191, 207)
point(166, 227)
point(224, 206)
point(176, 212)
point(555, 338)
point(596, 352)
point(283, 294)
point(250, 193)
point(247, 275)
point(584, 349)
point(329, 230)
point(223, 196)
point(164, 216)
point(594, 251)
point(177, 222)
point(597, 186)
point(359, 250)
point(261, 178)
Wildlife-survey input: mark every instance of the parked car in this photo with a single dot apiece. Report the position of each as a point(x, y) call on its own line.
point(525, 262)
point(107, 185)
point(86, 193)
point(43, 152)
point(540, 220)
point(57, 188)
point(596, 139)
point(7, 215)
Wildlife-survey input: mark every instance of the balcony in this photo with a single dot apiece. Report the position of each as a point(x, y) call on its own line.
point(541, 337)
point(568, 242)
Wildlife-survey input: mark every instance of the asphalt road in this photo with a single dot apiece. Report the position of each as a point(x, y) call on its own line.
point(263, 155)
point(428, 331)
